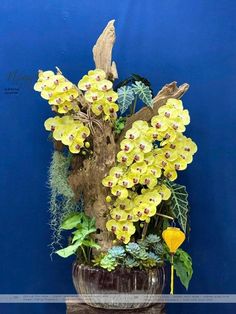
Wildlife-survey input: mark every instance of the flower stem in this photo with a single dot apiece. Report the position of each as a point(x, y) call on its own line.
point(84, 253)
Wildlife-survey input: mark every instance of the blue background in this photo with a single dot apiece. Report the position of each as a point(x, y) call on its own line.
point(186, 41)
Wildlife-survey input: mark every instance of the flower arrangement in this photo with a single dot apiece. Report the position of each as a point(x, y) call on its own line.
point(114, 168)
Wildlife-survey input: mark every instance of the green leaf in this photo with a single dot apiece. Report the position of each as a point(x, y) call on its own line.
point(82, 233)
point(91, 244)
point(69, 250)
point(183, 267)
point(71, 222)
point(179, 203)
point(143, 92)
point(125, 98)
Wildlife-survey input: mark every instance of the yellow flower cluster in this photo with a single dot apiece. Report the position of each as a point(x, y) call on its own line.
point(99, 93)
point(141, 164)
point(59, 92)
point(70, 132)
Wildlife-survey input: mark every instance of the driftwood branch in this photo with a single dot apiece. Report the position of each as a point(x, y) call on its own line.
point(146, 113)
point(102, 51)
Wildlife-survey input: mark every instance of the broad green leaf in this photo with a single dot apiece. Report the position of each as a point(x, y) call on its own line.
point(143, 92)
point(91, 243)
point(183, 267)
point(69, 250)
point(82, 234)
point(71, 222)
point(125, 98)
point(179, 203)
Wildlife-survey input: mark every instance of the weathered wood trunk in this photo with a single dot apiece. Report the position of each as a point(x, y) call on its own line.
point(88, 181)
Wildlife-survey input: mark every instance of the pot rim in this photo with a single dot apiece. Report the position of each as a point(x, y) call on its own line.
point(117, 269)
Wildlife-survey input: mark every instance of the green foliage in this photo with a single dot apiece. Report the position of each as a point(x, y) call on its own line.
point(133, 255)
point(125, 98)
point(119, 125)
point(182, 266)
point(179, 203)
point(62, 201)
point(84, 226)
point(143, 92)
point(130, 90)
point(132, 79)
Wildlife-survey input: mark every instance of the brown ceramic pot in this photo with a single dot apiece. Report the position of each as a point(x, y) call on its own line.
point(92, 281)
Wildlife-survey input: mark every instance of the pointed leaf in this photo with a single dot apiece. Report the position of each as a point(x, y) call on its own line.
point(69, 250)
point(71, 222)
point(125, 98)
point(179, 203)
point(143, 92)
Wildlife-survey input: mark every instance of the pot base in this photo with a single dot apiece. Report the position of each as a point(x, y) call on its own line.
point(86, 309)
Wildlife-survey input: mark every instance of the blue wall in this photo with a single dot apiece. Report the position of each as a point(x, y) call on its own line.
point(186, 41)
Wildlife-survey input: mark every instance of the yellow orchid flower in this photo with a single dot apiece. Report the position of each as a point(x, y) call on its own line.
point(125, 231)
point(71, 94)
point(113, 225)
point(120, 192)
point(151, 134)
point(56, 99)
point(160, 123)
point(134, 176)
point(168, 137)
point(132, 134)
point(76, 146)
point(110, 109)
point(177, 124)
point(111, 96)
point(137, 155)
point(124, 158)
point(142, 126)
point(86, 83)
point(116, 172)
point(176, 103)
point(51, 123)
point(126, 145)
point(164, 191)
point(118, 214)
point(97, 74)
point(123, 237)
point(58, 133)
point(47, 93)
point(104, 85)
point(154, 170)
point(65, 107)
point(168, 111)
point(144, 145)
point(180, 164)
point(149, 180)
point(109, 181)
point(125, 204)
point(153, 197)
point(64, 87)
point(140, 167)
point(97, 107)
point(93, 95)
point(149, 158)
point(184, 116)
point(83, 131)
point(69, 135)
point(126, 182)
point(170, 173)
point(145, 210)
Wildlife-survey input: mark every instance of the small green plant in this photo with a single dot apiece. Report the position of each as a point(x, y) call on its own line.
point(144, 254)
point(81, 241)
